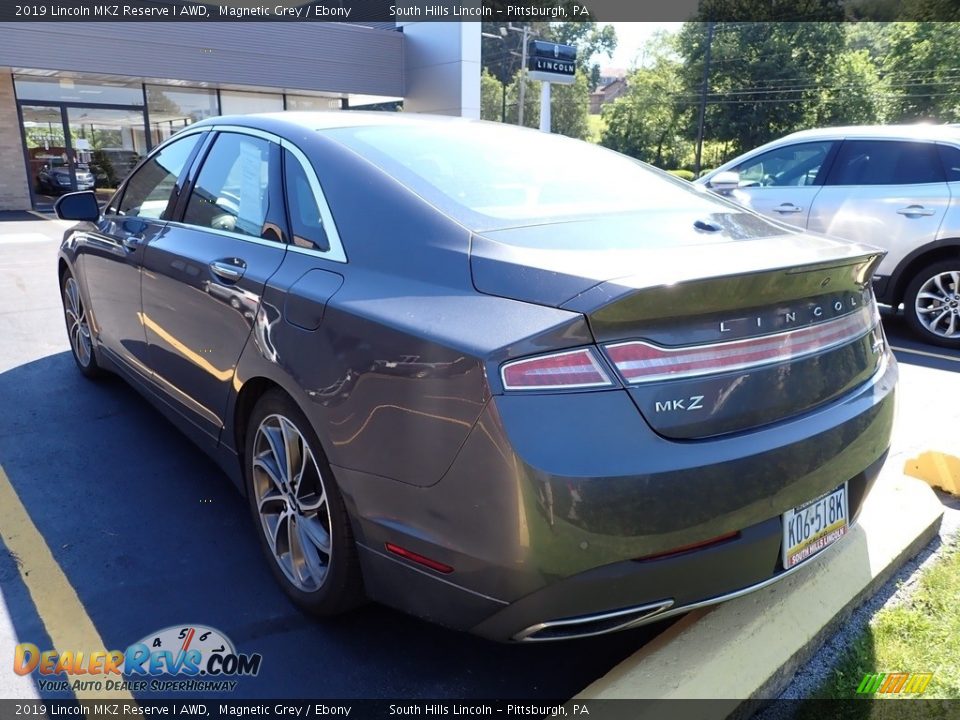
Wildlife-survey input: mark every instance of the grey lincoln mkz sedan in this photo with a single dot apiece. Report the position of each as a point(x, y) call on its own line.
point(507, 381)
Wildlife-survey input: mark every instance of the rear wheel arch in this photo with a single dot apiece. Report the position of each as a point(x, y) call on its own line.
point(251, 391)
point(948, 249)
point(247, 398)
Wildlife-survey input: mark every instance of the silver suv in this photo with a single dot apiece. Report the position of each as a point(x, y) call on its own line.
point(895, 186)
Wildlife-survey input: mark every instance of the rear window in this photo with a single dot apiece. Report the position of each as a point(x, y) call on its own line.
point(886, 162)
point(494, 175)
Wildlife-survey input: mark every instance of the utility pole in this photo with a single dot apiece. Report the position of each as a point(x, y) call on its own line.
point(523, 73)
point(703, 98)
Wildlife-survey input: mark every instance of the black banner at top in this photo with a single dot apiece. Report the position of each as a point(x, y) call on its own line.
point(387, 11)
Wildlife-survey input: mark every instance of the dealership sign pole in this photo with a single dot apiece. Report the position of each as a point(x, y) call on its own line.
point(550, 63)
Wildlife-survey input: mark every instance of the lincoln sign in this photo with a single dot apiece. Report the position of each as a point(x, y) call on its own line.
point(552, 62)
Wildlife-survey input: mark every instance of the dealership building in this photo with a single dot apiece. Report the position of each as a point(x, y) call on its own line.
point(82, 102)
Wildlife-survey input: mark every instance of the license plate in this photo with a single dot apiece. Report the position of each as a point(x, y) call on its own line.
point(813, 526)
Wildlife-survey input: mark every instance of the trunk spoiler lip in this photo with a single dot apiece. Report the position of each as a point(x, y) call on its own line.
point(607, 292)
point(646, 281)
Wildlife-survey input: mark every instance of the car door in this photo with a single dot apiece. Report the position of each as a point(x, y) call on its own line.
point(110, 258)
point(782, 183)
point(886, 192)
point(204, 276)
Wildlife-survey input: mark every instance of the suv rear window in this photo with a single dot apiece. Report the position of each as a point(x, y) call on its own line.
point(886, 162)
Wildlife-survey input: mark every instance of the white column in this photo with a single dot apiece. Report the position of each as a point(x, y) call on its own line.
point(442, 62)
point(545, 107)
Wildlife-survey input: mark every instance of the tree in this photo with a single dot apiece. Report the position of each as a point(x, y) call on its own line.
point(851, 93)
point(590, 40)
point(647, 122)
point(921, 71)
point(570, 107)
point(765, 77)
point(491, 97)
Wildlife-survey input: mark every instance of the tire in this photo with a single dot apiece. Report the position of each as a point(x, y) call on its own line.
point(78, 328)
point(321, 581)
point(931, 304)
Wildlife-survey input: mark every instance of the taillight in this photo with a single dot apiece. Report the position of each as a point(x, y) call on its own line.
point(639, 361)
point(559, 371)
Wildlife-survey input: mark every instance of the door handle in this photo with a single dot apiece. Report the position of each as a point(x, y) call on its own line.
point(230, 271)
point(915, 211)
point(788, 208)
point(132, 242)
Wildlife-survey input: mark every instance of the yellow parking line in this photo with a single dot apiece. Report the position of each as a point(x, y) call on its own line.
point(63, 615)
point(951, 358)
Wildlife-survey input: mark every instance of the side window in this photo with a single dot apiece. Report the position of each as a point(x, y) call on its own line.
point(148, 191)
point(788, 166)
point(886, 162)
point(306, 223)
point(950, 159)
point(231, 191)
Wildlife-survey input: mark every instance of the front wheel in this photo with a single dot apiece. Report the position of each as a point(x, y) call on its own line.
point(932, 304)
point(302, 523)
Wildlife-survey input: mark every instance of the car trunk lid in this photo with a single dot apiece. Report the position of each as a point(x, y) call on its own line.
point(711, 331)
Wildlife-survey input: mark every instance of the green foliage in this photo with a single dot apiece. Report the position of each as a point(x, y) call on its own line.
point(852, 92)
point(921, 67)
point(569, 106)
point(765, 78)
point(648, 122)
point(920, 635)
point(682, 174)
point(491, 97)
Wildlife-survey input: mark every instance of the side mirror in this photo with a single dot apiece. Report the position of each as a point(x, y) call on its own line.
point(78, 206)
point(725, 182)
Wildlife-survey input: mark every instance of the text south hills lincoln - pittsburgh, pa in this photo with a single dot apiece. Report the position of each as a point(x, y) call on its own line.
point(476, 10)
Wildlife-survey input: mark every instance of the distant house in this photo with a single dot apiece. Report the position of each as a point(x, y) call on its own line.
point(607, 93)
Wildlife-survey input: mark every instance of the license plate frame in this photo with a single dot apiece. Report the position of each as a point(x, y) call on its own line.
point(812, 527)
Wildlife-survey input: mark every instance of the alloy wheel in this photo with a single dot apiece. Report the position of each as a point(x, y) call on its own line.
point(292, 503)
point(77, 327)
point(938, 304)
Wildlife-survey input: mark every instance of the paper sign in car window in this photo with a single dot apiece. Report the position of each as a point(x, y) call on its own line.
point(250, 214)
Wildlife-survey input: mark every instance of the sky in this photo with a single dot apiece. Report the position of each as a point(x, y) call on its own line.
point(630, 39)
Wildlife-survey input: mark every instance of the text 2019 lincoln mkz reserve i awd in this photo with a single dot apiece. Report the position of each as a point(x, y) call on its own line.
point(507, 381)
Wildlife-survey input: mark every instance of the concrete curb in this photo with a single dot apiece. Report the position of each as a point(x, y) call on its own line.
point(750, 648)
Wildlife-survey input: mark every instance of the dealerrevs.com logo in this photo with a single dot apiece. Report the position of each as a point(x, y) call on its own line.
point(180, 658)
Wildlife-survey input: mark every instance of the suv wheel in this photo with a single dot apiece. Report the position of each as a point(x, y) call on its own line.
point(302, 523)
point(932, 303)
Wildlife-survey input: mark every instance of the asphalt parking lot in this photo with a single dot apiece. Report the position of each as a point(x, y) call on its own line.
point(149, 534)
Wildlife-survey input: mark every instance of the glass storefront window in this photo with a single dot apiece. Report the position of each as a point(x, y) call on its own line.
point(173, 108)
point(65, 89)
point(233, 102)
point(107, 143)
point(312, 103)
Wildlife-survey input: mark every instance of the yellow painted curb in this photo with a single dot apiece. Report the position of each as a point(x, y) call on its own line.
point(937, 469)
point(749, 648)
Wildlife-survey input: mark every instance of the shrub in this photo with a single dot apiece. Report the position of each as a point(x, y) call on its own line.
point(682, 174)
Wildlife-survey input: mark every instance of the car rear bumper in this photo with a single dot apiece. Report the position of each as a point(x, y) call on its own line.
point(547, 508)
point(624, 595)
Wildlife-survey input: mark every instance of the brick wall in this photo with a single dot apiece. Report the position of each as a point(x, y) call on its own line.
point(14, 192)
